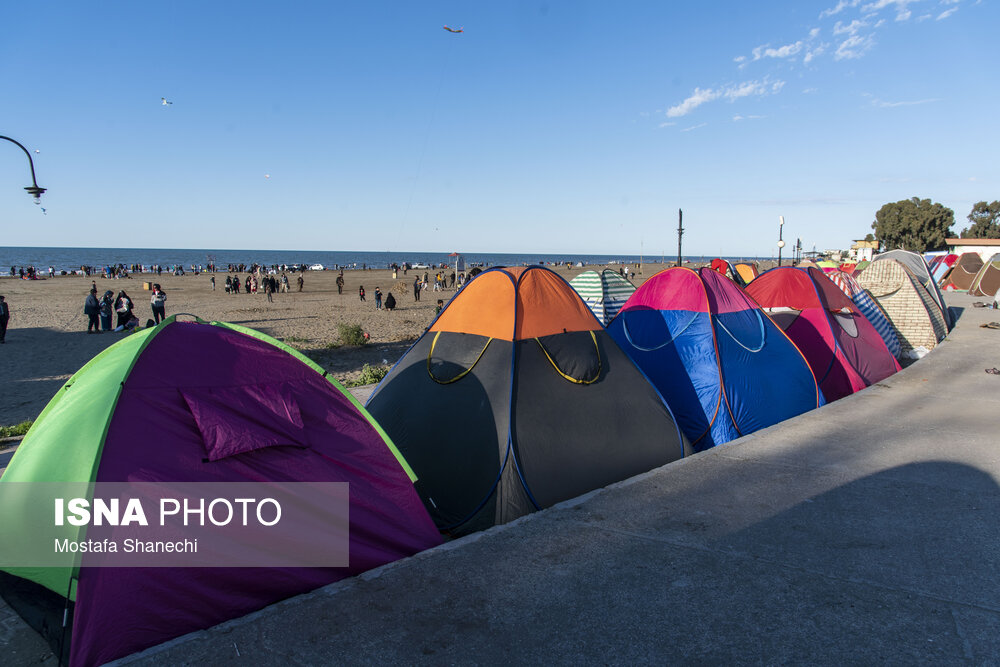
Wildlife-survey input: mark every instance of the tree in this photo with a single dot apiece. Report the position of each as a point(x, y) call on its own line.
point(869, 237)
point(913, 224)
point(985, 219)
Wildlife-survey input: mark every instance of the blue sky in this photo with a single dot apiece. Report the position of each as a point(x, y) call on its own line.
point(561, 126)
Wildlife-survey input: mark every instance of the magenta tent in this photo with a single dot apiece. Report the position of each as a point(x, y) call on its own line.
point(843, 349)
point(201, 402)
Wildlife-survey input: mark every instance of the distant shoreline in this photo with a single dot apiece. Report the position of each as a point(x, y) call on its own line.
point(68, 259)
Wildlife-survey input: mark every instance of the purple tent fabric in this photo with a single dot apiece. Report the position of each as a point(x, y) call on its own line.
point(197, 379)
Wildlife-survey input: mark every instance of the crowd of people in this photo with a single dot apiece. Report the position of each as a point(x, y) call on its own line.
point(269, 284)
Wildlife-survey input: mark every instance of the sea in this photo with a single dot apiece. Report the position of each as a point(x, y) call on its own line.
point(73, 259)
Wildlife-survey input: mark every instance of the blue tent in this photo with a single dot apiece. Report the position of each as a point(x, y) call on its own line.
point(724, 368)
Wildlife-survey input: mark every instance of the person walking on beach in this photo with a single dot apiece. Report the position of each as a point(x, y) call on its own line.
point(92, 309)
point(249, 284)
point(107, 308)
point(340, 283)
point(390, 301)
point(123, 306)
point(4, 319)
point(378, 298)
point(284, 283)
point(236, 284)
point(158, 302)
point(301, 282)
point(416, 288)
point(361, 292)
point(268, 290)
point(213, 283)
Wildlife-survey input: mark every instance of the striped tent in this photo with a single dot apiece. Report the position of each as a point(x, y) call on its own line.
point(604, 293)
point(870, 309)
point(940, 266)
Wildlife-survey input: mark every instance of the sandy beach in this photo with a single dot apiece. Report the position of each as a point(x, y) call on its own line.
point(47, 340)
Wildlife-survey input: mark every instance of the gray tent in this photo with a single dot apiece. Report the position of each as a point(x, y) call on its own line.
point(917, 265)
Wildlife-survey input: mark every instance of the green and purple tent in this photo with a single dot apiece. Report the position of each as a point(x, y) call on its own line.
point(201, 402)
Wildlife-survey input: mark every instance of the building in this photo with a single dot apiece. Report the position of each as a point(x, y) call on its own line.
point(985, 247)
point(863, 250)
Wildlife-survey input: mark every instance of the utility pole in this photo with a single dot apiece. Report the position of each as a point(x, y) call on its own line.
point(680, 233)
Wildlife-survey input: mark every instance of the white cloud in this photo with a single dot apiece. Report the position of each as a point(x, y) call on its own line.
point(738, 117)
point(667, 123)
point(694, 127)
point(902, 11)
point(841, 6)
point(732, 92)
point(814, 33)
point(739, 59)
point(946, 13)
point(854, 47)
point(812, 53)
point(849, 29)
point(696, 99)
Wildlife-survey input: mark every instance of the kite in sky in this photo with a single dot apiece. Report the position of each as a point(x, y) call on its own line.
point(453, 29)
point(164, 102)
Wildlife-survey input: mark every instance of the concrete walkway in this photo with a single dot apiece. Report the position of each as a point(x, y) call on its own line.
point(865, 532)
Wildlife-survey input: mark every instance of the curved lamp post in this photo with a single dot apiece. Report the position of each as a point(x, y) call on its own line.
point(32, 189)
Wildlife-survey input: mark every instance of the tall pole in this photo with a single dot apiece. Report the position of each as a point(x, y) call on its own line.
point(781, 242)
point(32, 189)
point(680, 233)
point(640, 256)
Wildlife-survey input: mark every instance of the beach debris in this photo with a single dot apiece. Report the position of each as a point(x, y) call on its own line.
point(990, 325)
point(993, 371)
point(453, 29)
point(164, 101)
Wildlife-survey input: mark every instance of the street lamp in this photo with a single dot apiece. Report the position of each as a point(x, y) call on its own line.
point(781, 243)
point(32, 189)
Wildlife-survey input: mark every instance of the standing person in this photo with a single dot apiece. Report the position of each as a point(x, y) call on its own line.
point(92, 309)
point(4, 319)
point(236, 284)
point(301, 282)
point(249, 284)
point(390, 301)
point(268, 290)
point(378, 298)
point(229, 285)
point(213, 283)
point(107, 308)
point(123, 306)
point(158, 302)
point(340, 283)
point(416, 288)
point(361, 292)
point(439, 307)
point(284, 283)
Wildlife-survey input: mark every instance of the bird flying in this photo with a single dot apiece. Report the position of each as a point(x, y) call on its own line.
point(164, 102)
point(453, 29)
